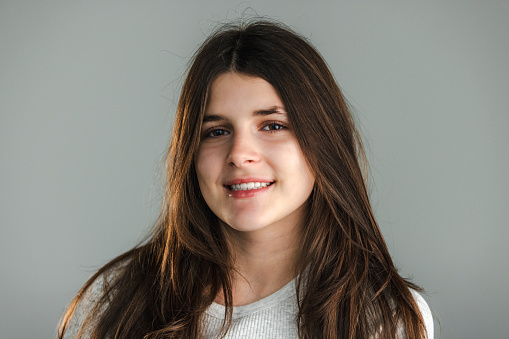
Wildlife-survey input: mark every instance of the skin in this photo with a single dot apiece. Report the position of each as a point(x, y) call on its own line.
point(247, 136)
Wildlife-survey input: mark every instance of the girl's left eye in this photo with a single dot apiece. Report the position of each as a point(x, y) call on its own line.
point(273, 126)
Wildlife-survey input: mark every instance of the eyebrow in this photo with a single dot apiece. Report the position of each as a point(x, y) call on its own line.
point(263, 112)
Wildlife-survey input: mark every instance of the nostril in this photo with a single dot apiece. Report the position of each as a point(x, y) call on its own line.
point(240, 159)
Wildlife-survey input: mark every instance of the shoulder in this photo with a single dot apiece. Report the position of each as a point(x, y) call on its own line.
point(84, 307)
point(90, 304)
point(425, 312)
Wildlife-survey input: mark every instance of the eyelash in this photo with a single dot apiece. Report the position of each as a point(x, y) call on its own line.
point(281, 126)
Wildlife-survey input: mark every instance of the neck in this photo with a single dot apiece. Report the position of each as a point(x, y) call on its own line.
point(264, 262)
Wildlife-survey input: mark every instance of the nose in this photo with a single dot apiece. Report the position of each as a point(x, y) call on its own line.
point(243, 150)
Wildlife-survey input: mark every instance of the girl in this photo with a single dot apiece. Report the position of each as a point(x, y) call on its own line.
point(266, 229)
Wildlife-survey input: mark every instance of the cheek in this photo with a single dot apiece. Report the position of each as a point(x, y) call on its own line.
point(206, 165)
point(295, 161)
point(200, 164)
point(306, 178)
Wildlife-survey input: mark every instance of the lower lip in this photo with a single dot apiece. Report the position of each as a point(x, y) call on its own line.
point(247, 193)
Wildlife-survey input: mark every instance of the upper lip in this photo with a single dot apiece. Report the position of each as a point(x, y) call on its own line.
point(245, 180)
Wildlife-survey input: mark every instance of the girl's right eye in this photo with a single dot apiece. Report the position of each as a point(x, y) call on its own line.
point(215, 132)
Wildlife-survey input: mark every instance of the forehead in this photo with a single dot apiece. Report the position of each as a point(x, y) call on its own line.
point(238, 92)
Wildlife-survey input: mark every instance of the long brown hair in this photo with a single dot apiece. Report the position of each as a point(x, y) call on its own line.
point(350, 288)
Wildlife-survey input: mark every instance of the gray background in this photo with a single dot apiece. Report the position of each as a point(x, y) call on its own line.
point(87, 95)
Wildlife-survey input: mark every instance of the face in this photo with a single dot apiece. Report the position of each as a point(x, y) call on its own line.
point(250, 168)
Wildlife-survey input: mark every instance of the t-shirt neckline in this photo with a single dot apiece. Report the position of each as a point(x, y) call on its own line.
point(217, 311)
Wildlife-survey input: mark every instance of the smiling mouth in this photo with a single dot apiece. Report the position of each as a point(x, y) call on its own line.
point(249, 186)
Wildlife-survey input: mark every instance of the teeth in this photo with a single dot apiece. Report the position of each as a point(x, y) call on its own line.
point(249, 186)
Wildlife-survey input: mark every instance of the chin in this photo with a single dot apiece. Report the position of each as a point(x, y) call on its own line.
point(246, 225)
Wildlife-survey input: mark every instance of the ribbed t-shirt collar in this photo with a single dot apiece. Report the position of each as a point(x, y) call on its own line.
point(284, 293)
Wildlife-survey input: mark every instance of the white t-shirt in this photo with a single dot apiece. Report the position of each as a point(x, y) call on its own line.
point(274, 317)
